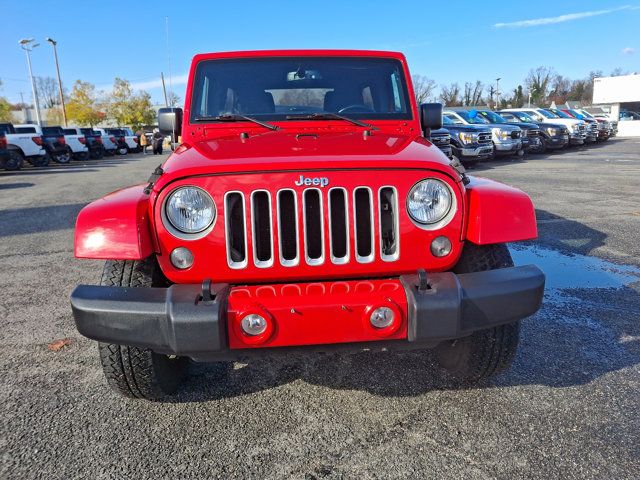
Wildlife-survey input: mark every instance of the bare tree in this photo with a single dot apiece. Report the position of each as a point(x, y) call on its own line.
point(617, 72)
point(173, 99)
point(473, 93)
point(423, 88)
point(538, 82)
point(47, 88)
point(450, 95)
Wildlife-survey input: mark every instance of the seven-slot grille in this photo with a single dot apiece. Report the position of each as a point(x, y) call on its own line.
point(347, 217)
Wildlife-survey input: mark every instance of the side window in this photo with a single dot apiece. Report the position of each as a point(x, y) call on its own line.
point(367, 98)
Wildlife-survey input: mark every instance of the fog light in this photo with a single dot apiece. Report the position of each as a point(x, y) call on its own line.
point(440, 247)
point(382, 317)
point(181, 258)
point(254, 324)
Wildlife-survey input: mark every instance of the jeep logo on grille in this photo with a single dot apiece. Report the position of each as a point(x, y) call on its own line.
point(317, 181)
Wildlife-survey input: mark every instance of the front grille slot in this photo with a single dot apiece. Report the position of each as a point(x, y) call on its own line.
point(363, 213)
point(389, 226)
point(235, 229)
point(339, 225)
point(288, 227)
point(313, 226)
point(261, 233)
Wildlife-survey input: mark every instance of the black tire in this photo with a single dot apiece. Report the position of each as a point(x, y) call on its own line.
point(62, 157)
point(485, 353)
point(15, 160)
point(133, 371)
point(97, 153)
point(122, 150)
point(40, 160)
point(81, 157)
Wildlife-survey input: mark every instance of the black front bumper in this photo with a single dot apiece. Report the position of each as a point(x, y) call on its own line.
point(176, 321)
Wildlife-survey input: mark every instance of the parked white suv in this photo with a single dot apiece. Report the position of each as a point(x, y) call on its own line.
point(577, 128)
point(77, 143)
point(109, 141)
point(23, 146)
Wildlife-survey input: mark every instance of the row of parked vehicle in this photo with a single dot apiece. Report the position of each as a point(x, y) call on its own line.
point(40, 145)
point(473, 134)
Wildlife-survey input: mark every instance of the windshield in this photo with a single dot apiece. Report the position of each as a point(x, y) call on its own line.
point(561, 114)
point(453, 119)
point(492, 116)
point(524, 117)
point(547, 113)
point(275, 88)
point(586, 114)
point(472, 117)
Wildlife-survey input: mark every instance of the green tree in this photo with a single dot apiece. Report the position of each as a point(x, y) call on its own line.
point(128, 108)
point(6, 115)
point(83, 107)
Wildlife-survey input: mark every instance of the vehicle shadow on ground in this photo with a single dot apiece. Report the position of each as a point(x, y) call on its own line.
point(579, 335)
point(20, 221)
point(11, 186)
point(567, 235)
point(76, 166)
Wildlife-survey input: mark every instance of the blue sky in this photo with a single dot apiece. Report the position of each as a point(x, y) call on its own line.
point(446, 40)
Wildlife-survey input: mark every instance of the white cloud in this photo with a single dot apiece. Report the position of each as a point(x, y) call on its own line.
point(151, 84)
point(628, 51)
point(561, 18)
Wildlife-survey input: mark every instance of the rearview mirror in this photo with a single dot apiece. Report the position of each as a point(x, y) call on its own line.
point(431, 116)
point(170, 121)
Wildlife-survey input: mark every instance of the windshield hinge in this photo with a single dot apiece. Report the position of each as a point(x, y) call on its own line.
point(153, 178)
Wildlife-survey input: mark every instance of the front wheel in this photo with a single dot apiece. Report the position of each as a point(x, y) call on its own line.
point(122, 150)
point(484, 353)
point(133, 371)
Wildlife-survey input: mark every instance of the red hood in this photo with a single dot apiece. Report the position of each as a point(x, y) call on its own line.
point(281, 151)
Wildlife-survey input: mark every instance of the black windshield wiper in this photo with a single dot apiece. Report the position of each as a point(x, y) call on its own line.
point(330, 115)
point(233, 117)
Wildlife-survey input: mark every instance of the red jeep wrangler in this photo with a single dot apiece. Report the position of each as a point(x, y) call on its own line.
point(304, 211)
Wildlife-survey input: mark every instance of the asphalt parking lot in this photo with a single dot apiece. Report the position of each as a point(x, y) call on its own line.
point(569, 407)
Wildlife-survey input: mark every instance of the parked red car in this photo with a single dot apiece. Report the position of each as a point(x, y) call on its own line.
point(304, 211)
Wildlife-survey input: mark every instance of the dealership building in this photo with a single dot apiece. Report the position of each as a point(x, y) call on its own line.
point(620, 95)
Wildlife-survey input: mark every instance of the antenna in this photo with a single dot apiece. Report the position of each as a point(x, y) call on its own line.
point(173, 133)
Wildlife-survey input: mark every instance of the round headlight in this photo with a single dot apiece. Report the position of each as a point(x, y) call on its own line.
point(190, 209)
point(429, 201)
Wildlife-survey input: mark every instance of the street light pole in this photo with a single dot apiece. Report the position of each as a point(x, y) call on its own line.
point(55, 54)
point(498, 92)
point(25, 44)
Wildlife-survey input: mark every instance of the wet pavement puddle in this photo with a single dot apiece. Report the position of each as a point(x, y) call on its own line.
point(569, 271)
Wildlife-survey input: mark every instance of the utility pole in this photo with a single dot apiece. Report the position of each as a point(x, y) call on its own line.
point(164, 90)
point(498, 92)
point(55, 54)
point(27, 45)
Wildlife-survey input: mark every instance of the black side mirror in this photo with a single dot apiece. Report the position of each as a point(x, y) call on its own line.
point(430, 117)
point(170, 121)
